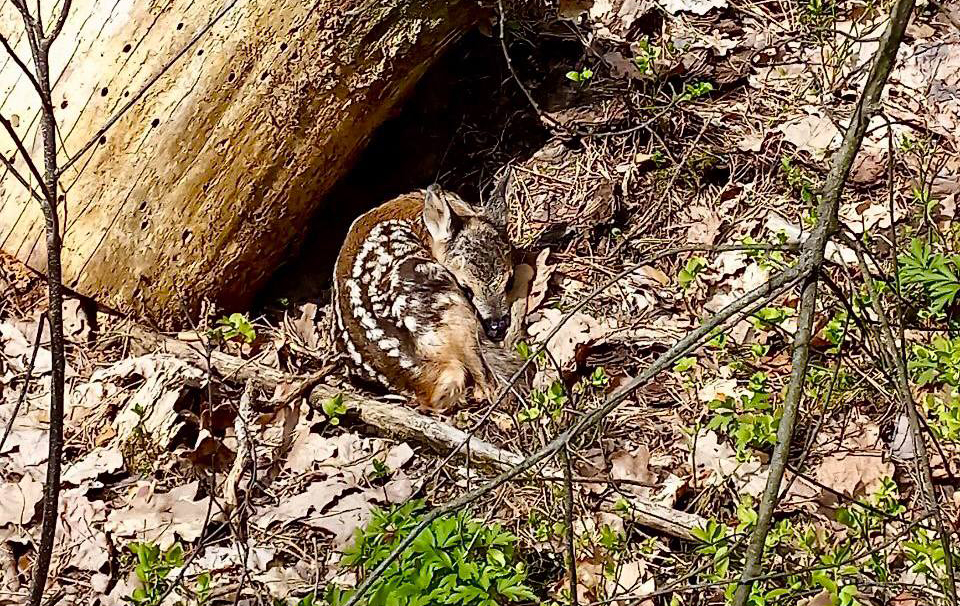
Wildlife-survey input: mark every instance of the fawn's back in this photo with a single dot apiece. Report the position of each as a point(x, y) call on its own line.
point(420, 294)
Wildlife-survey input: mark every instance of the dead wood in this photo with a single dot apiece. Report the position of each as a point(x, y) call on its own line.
point(397, 421)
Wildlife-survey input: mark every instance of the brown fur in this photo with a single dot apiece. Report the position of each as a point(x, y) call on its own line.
point(449, 350)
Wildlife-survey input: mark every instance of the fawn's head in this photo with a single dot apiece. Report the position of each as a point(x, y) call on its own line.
point(472, 244)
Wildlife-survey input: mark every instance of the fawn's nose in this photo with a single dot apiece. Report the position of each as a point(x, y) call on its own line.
point(496, 329)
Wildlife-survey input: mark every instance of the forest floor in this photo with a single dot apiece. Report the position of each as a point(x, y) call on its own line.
point(676, 136)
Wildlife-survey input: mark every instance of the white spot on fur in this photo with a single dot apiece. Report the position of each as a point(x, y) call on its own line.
point(393, 353)
point(411, 323)
point(398, 305)
point(390, 343)
point(374, 334)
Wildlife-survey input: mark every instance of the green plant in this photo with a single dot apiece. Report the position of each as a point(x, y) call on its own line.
point(799, 180)
point(334, 408)
point(835, 329)
point(932, 274)
point(598, 380)
point(944, 416)
point(925, 553)
point(645, 56)
point(380, 470)
point(580, 77)
point(766, 317)
point(153, 568)
point(550, 402)
point(767, 259)
point(455, 560)
point(235, 326)
point(937, 364)
point(695, 90)
point(750, 419)
point(690, 271)
point(684, 364)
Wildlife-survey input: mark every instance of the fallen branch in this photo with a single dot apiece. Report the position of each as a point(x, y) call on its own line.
point(398, 421)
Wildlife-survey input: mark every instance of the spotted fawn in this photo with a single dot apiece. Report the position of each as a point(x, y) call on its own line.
point(421, 296)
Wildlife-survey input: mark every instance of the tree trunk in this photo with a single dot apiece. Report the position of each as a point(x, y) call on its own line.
point(203, 185)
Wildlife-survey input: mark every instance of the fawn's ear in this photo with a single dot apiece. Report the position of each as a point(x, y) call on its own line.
point(495, 207)
point(443, 214)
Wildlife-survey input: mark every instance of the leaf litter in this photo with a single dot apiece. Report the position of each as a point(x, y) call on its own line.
point(142, 432)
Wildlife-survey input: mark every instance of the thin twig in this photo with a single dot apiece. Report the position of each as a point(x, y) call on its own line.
point(815, 245)
point(26, 382)
point(681, 347)
point(568, 515)
point(902, 385)
point(23, 67)
point(26, 157)
point(40, 49)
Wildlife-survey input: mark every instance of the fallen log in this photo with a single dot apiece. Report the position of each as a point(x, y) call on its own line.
point(397, 421)
point(229, 123)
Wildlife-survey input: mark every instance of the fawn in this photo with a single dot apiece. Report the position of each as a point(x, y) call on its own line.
point(415, 282)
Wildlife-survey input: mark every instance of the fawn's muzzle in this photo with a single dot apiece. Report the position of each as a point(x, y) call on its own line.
point(496, 329)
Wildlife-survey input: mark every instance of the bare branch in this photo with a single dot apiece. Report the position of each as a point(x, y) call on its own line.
point(21, 65)
point(58, 24)
point(26, 156)
point(827, 222)
point(23, 181)
point(906, 397)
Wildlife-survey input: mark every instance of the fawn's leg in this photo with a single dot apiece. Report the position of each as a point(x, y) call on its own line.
point(441, 384)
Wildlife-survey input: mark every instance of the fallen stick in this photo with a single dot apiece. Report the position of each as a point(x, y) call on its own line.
point(397, 421)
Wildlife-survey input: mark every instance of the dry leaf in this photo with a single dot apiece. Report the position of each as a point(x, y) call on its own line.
point(810, 133)
point(151, 408)
point(281, 582)
point(348, 514)
point(161, 517)
point(316, 497)
point(704, 227)
point(629, 581)
point(541, 280)
point(697, 7)
point(305, 327)
point(579, 330)
point(398, 456)
point(309, 448)
point(18, 500)
point(81, 533)
point(853, 473)
point(396, 491)
point(94, 463)
point(634, 467)
point(253, 557)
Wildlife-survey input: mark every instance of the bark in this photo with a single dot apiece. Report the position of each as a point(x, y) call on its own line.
point(202, 186)
point(400, 422)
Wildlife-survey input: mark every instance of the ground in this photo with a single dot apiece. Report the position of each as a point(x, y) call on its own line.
point(664, 143)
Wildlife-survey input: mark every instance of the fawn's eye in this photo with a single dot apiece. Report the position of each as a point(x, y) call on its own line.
point(468, 292)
